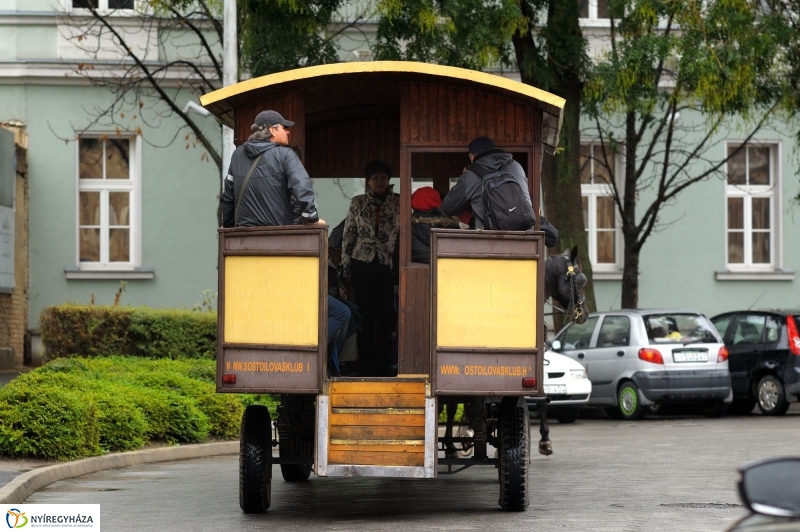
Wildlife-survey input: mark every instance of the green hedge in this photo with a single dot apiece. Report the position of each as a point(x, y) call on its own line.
point(81, 330)
point(76, 407)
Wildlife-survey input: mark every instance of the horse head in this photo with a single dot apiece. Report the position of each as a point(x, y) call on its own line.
point(570, 286)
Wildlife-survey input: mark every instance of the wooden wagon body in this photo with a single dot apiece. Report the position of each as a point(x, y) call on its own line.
point(470, 323)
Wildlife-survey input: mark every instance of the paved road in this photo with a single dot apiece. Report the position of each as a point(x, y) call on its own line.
point(661, 474)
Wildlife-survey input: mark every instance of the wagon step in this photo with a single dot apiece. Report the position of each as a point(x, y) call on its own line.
point(377, 427)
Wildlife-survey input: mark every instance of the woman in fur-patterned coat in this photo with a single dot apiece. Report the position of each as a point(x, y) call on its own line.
point(370, 235)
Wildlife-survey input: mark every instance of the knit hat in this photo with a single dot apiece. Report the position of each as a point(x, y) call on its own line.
point(426, 199)
point(377, 167)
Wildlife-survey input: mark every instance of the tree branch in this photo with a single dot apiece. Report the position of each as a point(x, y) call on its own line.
point(153, 82)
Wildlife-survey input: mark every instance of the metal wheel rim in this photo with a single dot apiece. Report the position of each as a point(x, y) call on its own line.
point(768, 395)
point(627, 401)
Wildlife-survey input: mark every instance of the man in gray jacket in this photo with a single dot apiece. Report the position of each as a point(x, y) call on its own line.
point(468, 191)
point(277, 180)
point(277, 184)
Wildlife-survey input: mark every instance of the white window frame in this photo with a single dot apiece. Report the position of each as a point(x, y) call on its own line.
point(104, 186)
point(592, 192)
point(102, 7)
point(748, 193)
point(593, 19)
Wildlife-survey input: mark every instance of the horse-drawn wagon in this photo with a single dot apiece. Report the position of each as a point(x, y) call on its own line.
point(470, 325)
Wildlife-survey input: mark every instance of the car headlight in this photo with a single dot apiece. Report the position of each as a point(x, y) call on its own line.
point(577, 374)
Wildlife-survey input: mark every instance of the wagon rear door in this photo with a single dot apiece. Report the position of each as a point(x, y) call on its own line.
point(487, 298)
point(271, 330)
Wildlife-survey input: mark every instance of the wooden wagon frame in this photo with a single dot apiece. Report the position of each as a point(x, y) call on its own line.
point(470, 323)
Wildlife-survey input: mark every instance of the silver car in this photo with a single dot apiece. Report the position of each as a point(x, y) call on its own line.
point(637, 359)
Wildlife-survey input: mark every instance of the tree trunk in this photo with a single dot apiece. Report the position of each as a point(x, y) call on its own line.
point(630, 233)
point(630, 273)
point(561, 186)
point(561, 189)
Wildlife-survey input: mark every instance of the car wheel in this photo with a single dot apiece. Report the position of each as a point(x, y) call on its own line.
point(741, 407)
point(771, 396)
point(715, 409)
point(658, 410)
point(630, 407)
point(568, 415)
point(255, 460)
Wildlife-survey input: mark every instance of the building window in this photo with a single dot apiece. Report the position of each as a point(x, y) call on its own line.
point(599, 210)
point(751, 207)
point(107, 200)
point(593, 9)
point(103, 4)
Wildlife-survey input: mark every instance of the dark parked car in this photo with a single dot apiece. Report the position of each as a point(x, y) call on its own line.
point(764, 358)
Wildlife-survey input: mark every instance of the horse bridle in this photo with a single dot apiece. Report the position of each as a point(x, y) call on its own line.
point(574, 309)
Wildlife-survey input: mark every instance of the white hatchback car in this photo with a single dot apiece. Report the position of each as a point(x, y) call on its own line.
point(567, 386)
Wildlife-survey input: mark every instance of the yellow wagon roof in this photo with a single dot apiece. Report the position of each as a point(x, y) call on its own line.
point(224, 101)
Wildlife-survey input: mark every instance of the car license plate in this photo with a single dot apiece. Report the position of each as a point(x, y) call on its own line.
point(555, 389)
point(690, 356)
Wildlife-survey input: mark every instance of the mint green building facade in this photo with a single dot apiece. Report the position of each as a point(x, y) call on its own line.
point(170, 193)
point(168, 221)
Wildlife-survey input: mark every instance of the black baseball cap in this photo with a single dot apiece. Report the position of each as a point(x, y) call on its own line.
point(270, 118)
point(480, 145)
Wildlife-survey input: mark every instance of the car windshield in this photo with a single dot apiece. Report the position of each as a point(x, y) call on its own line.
point(679, 329)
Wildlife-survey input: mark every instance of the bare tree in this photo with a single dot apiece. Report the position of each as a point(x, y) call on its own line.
point(677, 75)
point(148, 61)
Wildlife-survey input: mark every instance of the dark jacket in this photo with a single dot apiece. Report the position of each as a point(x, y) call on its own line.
point(421, 224)
point(278, 184)
point(469, 188)
point(468, 191)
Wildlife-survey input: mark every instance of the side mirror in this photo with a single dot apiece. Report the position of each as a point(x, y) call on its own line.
point(771, 488)
point(555, 345)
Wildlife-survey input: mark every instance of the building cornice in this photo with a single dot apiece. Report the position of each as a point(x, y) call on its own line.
point(61, 18)
point(63, 73)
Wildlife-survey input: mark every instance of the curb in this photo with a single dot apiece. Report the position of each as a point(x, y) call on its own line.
point(22, 486)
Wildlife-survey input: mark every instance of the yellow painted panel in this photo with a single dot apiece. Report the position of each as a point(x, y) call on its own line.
point(486, 303)
point(272, 300)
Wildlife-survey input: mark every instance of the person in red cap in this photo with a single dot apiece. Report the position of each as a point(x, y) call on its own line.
point(425, 203)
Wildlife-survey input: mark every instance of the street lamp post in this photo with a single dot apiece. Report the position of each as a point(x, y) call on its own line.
point(230, 75)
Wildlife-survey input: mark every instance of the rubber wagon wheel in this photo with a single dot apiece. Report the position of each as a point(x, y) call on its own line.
point(255, 460)
point(514, 454)
point(297, 472)
point(295, 438)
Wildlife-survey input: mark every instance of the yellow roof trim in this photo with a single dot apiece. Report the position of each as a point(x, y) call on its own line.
point(382, 66)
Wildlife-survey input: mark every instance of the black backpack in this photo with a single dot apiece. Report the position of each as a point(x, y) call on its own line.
point(504, 205)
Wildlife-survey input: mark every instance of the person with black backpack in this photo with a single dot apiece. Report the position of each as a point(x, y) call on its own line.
point(496, 188)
